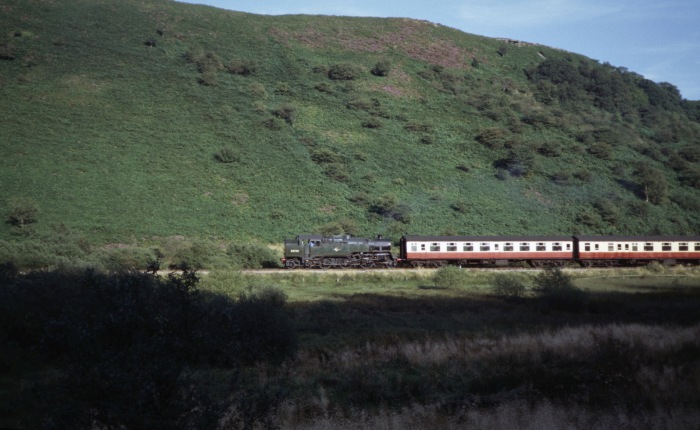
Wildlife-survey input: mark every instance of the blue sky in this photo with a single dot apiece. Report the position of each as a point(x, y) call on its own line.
point(657, 39)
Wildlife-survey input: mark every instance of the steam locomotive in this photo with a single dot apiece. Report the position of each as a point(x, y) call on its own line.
point(309, 251)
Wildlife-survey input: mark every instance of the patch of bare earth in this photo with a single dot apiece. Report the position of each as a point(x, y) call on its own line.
point(412, 38)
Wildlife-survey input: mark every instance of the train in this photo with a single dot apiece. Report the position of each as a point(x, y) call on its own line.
point(325, 252)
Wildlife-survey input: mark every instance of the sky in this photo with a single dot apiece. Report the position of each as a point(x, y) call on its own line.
point(657, 39)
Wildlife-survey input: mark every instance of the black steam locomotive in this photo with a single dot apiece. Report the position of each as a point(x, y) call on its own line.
point(310, 250)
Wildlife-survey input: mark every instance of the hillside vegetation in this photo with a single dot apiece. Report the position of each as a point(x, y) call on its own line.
point(162, 125)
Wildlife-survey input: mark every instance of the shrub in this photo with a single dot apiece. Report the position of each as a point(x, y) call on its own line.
point(550, 149)
point(388, 206)
point(208, 79)
point(463, 167)
point(461, 206)
point(521, 162)
point(507, 287)
point(251, 256)
point(274, 124)
point(449, 277)
point(363, 103)
point(325, 155)
point(337, 171)
point(241, 67)
point(287, 112)
point(557, 292)
point(23, 212)
point(372, 123)
point(583, 175)
point(382, 68)
point(601, 150)
point(427, 139)
point(197, 254)
point(561, 177)
point(205, 61)
point(130, 258)
point(608, 210)
point(343, 72)
point(7, 51)
point(418, 127)
point(227, 155)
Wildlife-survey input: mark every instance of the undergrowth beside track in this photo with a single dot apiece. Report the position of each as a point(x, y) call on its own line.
point(377, 350)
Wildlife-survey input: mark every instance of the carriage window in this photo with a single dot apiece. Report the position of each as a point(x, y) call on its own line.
point(495, 247)
point(635, 247)
point(556, 246)
point(485, 247)
point(648, 246)
point(568, 247)
point(541, 247)
point(435, 247)
point(627, 247)
point(508, 247)
point(524, 246)
point(586, 246)
point(422, 247)
point(414, 247)
point(597, 247)
point(619, 247)
point(682, 246)
point(697, 246)
point(469, 247)
point(452, 246)
point(665, 246)
point(611, 246)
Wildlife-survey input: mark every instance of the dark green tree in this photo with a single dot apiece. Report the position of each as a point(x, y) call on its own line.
point(653, 183)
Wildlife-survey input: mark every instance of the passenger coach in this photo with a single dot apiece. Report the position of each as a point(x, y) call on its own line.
point(637, 250)
point(435, 251)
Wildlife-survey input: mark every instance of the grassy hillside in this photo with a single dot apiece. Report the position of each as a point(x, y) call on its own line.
point(144, 121)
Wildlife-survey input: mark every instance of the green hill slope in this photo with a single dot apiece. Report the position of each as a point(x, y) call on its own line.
point(133, 120)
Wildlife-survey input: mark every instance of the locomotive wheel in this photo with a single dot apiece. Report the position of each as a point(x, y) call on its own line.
point(291, 264)
point(326, 263)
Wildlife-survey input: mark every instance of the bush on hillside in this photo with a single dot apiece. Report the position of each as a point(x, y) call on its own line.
point(23, 213)
point(325, 156)
point(241, 67)
point(286, 112)
point(198, 254)
point(251, 256)
point(561, 177)
point(382, 68)
point(227, 155)
point(388, 206)
point(601, 150)
point(344, 72)
point(608, 210)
